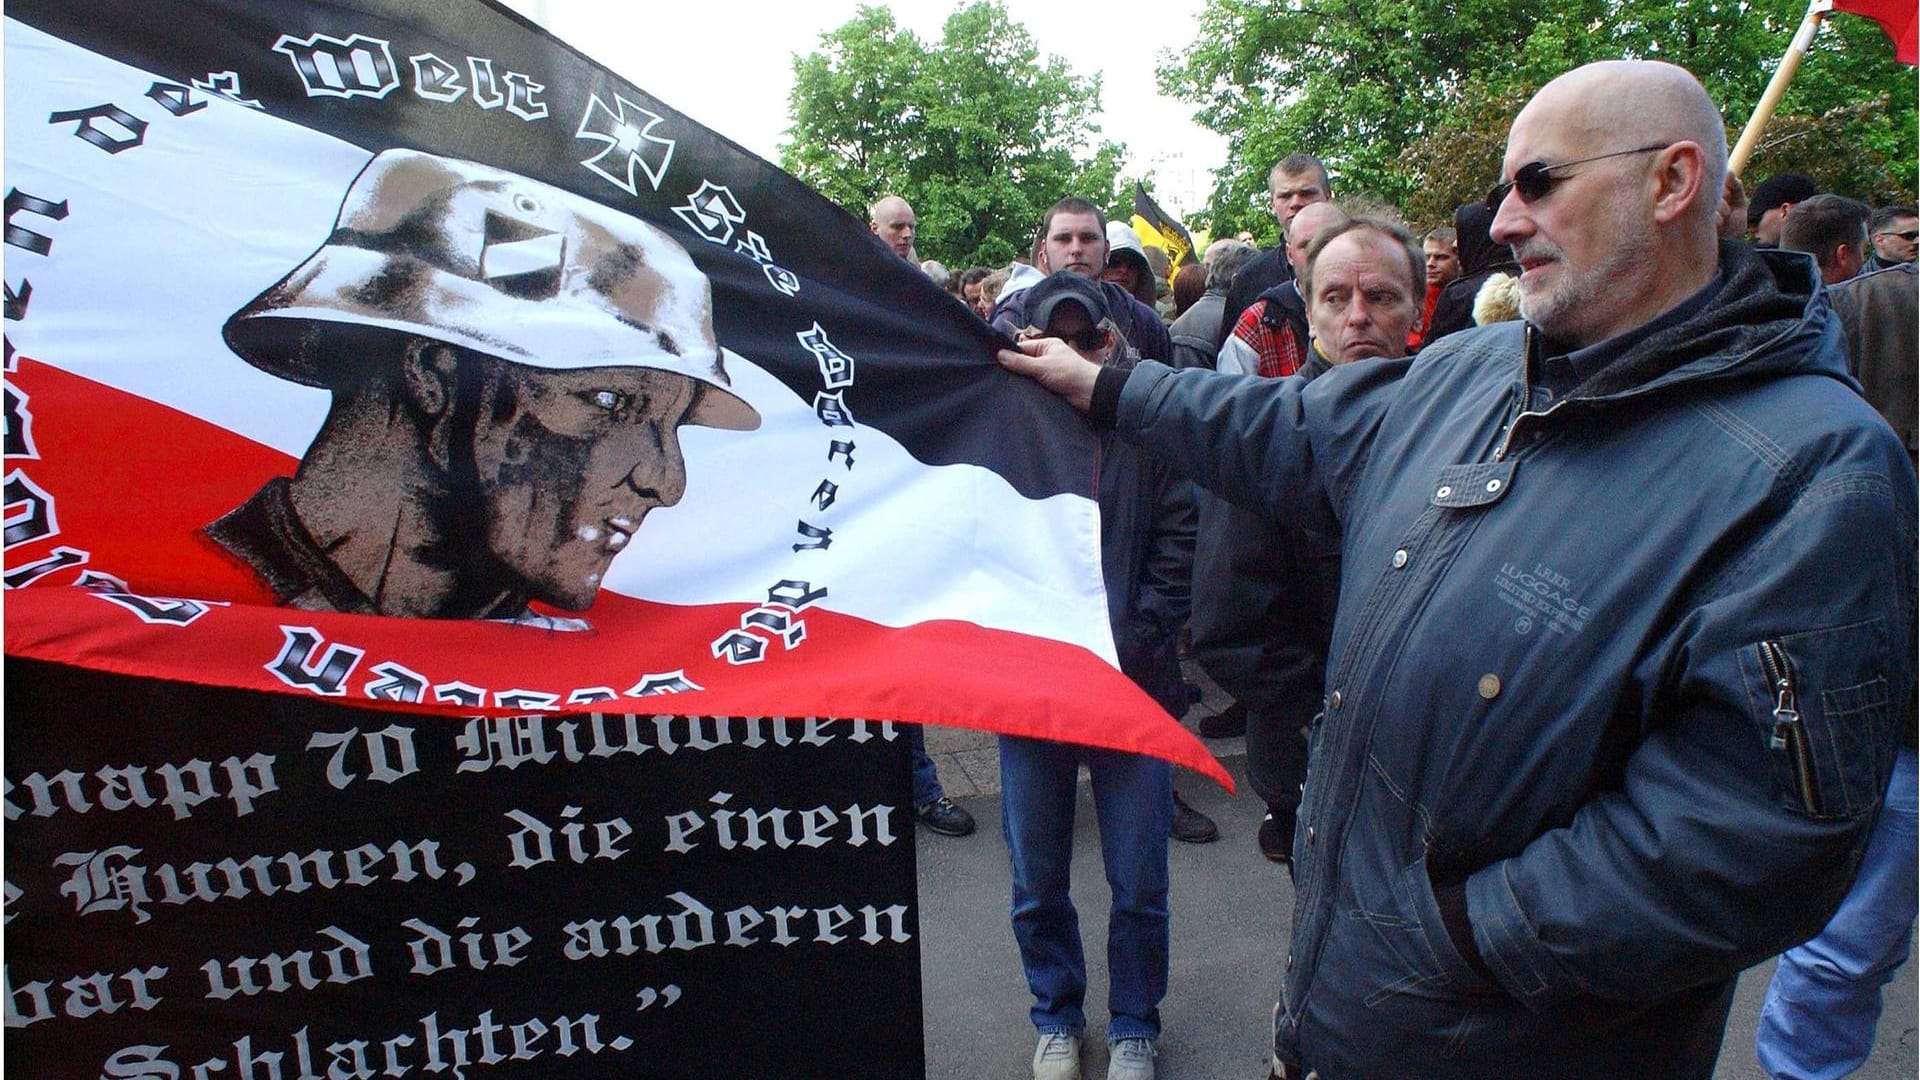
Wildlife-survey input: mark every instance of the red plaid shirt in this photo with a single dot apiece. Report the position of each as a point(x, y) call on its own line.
point(1281, 352)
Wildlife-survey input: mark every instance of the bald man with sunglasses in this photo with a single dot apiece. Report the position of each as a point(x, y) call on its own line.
point(1624, 629)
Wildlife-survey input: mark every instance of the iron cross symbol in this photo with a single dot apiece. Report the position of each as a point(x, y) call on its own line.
point(631, 147)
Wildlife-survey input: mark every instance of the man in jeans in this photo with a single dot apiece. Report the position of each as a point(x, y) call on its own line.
point(1146, 555)
point(1821, 1009)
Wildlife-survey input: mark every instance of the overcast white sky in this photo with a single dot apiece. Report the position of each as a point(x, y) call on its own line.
point(729, 65)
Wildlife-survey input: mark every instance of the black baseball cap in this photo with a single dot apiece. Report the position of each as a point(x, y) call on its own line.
point(1065, 287)
point(1777, 190)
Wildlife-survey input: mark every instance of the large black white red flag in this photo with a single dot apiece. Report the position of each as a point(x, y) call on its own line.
point(394, 353)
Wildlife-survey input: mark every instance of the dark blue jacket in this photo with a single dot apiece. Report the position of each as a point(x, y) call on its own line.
point(1555, 680)
point(1147, 524)
point(1263, 603)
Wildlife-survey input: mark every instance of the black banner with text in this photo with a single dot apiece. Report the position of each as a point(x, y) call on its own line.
point(240, 884)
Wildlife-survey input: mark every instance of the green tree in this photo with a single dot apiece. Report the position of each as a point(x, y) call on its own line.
point(1409, 100)
point(977, 131)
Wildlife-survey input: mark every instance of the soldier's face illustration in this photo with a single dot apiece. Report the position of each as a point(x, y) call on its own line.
point(569, 463)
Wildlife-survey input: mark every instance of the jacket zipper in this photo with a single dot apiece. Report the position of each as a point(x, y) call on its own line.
point(1520, 410)
point(1789, 734)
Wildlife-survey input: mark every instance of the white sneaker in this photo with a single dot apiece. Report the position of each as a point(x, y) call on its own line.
point(1058, 1057)
point(1132, 1059)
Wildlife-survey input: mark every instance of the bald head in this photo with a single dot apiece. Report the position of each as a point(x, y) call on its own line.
point(1637, 103)
point(1305, 226)
point(892, 220)
point(1625, 163)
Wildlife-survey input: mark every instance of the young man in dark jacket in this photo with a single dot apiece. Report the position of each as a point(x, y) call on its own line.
point(1146, 558)
point(1624, 625)
point(1295, 182)
point(1073, 238)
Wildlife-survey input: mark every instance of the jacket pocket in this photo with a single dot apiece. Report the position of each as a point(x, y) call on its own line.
point(1821, 701)
point(1417, 885)
point(1404, 948)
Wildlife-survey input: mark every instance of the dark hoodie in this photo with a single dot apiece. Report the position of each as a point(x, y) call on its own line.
point(1480, 259)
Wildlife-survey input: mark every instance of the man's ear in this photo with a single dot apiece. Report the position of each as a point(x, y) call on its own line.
point(426, 376)
point(427, 379)
point(1679, 179)
point(1848, 259)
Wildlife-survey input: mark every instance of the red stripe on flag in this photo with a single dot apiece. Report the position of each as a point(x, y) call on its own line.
point(950, 673)
point(133, 482)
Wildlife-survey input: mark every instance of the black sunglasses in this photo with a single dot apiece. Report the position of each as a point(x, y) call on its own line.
point(1909, 236)
point(1088, 340)
point(1534, 179)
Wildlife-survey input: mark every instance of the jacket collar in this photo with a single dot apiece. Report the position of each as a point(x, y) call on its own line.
point(1770, 317)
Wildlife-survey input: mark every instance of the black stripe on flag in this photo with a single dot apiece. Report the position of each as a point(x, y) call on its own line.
point(486, 85)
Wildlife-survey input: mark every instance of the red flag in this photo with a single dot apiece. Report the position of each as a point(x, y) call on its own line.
point(1896, 17)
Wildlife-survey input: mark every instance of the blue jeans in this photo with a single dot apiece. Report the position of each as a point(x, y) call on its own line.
point(926, 778)
point(1824, 1001)
point(1133, 798)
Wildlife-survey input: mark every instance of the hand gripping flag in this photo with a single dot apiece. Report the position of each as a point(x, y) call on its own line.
point(401, 356)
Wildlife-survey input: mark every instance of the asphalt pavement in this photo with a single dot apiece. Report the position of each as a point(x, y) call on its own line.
point(1231, 918)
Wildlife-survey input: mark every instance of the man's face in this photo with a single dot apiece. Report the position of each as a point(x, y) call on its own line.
point(1587, 249)
point(1071, 324)
point(1301, 233)
point(1443, 263)
point(1123, 274)
point(1075, 242)
point(895, 224)
point(1898, 240)
point(1362, 304)
point(1767, 232)
point(568, 464)
point(1292, 192)
point(971, 294)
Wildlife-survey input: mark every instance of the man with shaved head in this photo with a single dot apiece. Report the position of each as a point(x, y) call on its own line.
point(1271, 338)
point(892, 220)
point(1624, 626)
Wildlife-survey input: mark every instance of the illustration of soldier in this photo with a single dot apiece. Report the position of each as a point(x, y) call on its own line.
point(509, 365)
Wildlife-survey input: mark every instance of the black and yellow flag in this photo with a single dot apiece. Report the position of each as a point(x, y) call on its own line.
point(1157, 228)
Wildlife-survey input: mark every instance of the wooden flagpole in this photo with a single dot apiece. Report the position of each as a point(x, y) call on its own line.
point(1817, 11)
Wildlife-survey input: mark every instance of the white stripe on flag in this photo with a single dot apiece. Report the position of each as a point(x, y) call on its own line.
point(165, 243)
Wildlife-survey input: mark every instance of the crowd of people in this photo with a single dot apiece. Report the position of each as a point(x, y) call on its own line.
point(1560, 562)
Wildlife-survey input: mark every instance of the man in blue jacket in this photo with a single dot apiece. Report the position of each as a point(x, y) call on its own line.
point(1624, 622)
